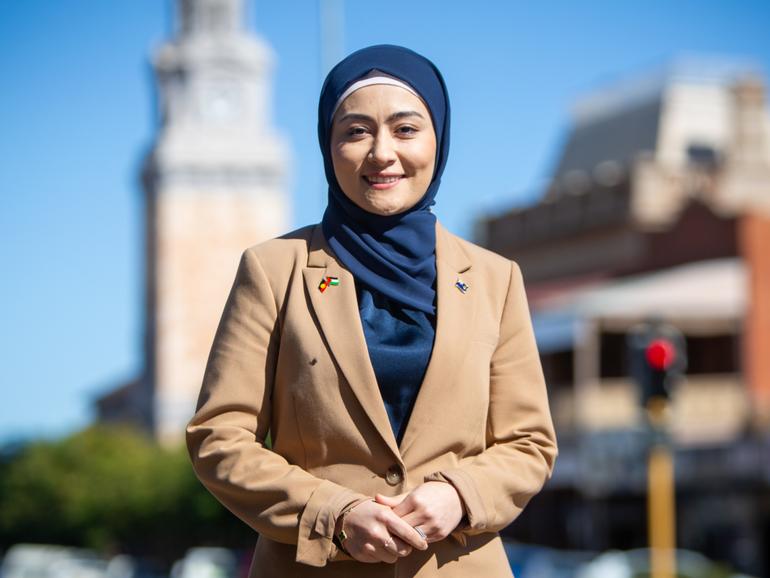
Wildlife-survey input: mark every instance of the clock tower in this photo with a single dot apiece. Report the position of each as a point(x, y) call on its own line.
point(214, 183)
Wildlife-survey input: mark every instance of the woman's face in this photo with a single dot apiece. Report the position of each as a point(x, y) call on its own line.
point(383, 148)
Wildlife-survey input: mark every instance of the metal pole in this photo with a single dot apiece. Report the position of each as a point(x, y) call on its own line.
point(332, 22)
point(661, 508)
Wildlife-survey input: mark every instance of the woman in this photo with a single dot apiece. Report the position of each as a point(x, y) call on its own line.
point(393, 363)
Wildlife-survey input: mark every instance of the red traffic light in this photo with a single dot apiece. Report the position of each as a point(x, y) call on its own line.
point(660, 354)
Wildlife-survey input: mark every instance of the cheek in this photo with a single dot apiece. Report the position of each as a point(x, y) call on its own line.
point(425, 155)
point(427, 162)
point(344, 165)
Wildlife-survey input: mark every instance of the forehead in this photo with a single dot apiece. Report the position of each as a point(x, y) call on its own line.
point(377, 99)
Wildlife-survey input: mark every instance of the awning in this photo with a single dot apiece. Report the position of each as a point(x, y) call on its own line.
point(706, 291)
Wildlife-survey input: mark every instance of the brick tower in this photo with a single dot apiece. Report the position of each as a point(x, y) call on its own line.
point(214, 183)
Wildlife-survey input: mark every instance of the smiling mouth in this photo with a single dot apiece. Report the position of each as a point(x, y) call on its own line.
point(382, 183)
point(374, 180)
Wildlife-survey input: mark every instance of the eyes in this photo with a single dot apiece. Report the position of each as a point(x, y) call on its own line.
point(356, 132)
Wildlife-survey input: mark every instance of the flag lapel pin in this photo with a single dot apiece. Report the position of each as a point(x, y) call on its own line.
point(328, 281)
point(461, 285)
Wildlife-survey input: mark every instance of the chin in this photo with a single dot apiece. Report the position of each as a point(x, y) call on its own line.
point(386, 210)
point(385, 207)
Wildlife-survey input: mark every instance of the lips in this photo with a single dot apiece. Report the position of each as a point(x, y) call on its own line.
point(381, 182)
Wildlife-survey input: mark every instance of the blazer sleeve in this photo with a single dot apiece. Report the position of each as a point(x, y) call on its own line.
point(496, 484)
point(226, 436)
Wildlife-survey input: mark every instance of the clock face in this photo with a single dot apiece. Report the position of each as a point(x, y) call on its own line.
point(221, 101)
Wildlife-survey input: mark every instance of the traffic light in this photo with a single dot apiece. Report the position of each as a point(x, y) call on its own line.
point(657, 358)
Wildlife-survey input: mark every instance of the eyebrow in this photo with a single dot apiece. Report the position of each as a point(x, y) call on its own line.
point(395, 116)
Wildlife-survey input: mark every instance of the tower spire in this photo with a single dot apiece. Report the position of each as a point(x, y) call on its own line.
point(210, 17)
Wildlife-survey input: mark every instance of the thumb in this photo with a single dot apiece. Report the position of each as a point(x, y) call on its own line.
point(390, 501)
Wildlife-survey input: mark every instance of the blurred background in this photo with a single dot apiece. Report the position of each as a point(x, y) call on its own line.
point(619, 152)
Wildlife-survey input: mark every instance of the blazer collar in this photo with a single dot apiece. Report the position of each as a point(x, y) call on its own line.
point(336, 308)
point(448, 249)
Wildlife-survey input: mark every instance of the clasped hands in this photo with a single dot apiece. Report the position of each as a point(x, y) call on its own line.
point(383, 529)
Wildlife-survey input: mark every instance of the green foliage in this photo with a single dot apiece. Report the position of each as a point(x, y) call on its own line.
point(111, 489)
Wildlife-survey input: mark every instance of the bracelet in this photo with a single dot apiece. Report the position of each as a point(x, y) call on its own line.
point(341, 536)
point(338, 543)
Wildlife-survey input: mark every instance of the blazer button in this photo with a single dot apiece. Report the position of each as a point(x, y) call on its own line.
point(394, 476)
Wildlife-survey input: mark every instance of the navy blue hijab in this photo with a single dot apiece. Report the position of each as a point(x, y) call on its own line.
point(396, 254)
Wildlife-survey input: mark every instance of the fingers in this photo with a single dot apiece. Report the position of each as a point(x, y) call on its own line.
point(377, 550)
point(383, 529)
point(401, 529)
point(401, 547)
point(424, 526)
point(431, 530)
point(384, 550)
point(389, 551)
point(415, 518)
point(394, 548)
point(434, 507)
point(389, 501)
point(420, 531)
point(401, 504)
point(391, 547)
point(369, 538)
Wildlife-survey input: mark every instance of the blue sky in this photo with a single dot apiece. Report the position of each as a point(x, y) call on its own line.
point(77, 114)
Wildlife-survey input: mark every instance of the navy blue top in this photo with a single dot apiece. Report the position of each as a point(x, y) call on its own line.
point(400, 342)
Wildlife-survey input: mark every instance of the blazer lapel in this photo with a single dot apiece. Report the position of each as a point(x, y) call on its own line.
point(455, 313)
point(336, 308)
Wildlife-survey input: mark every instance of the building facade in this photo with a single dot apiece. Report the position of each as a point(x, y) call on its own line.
point(658, 209)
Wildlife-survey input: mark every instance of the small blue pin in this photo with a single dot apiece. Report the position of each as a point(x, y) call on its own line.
point(463, 287)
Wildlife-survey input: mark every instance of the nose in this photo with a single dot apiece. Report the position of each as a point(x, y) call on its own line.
point(383, 151)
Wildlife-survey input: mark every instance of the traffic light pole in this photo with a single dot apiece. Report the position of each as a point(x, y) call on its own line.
point(658, 359)
point(661, 509)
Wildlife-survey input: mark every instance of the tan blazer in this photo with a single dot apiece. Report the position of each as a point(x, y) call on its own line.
point(291, 359)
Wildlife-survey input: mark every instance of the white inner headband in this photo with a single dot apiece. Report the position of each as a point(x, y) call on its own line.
point(368, 81)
